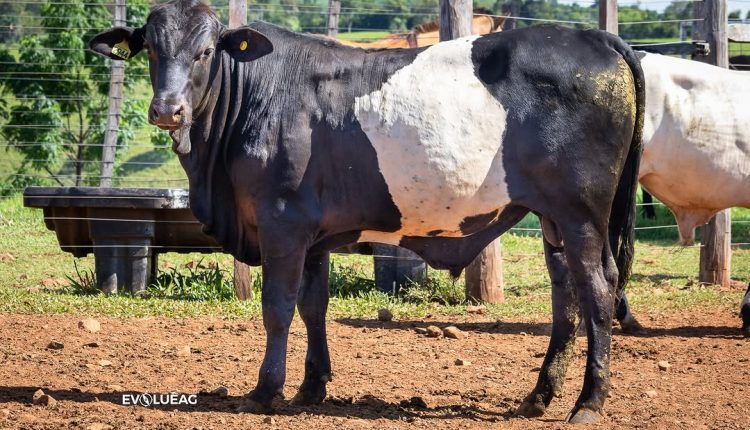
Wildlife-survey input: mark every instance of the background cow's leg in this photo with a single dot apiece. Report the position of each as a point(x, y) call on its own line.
point(649, 211)
point(628, 323)
point(312, 305)
point(584, 248)
point(745, 313)
point(564, 327)
point(281, 281)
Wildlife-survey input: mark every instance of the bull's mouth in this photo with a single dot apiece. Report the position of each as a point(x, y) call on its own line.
point(180, 139)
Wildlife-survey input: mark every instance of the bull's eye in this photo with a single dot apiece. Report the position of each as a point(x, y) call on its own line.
point(208, 52)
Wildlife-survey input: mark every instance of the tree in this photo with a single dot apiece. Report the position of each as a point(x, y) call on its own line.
point(735, 14)
point(58, 116)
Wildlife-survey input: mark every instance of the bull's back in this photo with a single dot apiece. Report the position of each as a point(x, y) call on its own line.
point(452, 128)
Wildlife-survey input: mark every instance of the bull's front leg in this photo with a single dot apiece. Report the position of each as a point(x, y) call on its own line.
point(313, 305)
point(281, 280)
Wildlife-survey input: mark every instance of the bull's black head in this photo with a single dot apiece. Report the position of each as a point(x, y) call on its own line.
point(182, 39)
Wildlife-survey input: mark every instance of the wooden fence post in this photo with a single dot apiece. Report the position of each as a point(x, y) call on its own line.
point(242, 277)
point(334, 11)
point(115, 107)
point(484, 276)
point(608, 16)
point(716, 236)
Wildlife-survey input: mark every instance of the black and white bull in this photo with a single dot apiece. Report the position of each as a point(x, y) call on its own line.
point(295, 145)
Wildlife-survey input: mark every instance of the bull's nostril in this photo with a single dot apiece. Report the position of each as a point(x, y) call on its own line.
point(153, 115)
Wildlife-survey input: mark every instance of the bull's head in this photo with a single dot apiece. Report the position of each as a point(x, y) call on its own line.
point(183, 39)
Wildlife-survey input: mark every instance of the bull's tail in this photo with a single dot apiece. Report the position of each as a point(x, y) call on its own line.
point(623, 213)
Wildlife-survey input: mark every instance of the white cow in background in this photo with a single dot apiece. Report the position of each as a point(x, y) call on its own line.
point(696, 147)
point(696, 156)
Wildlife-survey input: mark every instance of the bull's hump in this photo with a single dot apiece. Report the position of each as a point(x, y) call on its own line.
point(438, 134)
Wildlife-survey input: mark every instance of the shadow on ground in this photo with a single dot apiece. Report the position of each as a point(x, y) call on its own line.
point(544, 329)
point(367, 407)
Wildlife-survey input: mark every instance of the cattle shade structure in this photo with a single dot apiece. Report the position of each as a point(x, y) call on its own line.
point(696, 144)
point(294, 145)
point(483, 22)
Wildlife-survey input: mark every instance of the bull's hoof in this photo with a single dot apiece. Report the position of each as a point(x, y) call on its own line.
point(531, 407)
point(306, 397)
point(631, 326)
point(252, 407)
point(584, 416)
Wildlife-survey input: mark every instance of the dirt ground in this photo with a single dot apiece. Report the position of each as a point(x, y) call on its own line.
point(378, 368)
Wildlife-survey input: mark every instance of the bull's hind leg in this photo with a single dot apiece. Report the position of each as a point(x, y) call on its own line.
point(584, 251)
point(313, 305)
point(564, 327)
point(624, 315)
point(281, 281)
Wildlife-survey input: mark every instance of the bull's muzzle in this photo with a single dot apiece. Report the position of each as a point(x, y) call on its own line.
point(166, 115)
point(175, 117)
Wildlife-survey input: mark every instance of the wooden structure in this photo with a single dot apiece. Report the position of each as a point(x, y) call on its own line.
point(716, 236)
point(334, 12)
point(115, 106)
point(242, 276)
point(484, 276)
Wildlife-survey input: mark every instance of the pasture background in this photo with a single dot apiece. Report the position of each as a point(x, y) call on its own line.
point(664, 274)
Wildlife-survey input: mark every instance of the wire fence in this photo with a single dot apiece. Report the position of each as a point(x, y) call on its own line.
point(143, 153)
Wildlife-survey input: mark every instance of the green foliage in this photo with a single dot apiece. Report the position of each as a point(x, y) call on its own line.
point(437, 288)
point(57, 117)
point(83, 283)
point(212, 284)
point(735, 14)
point(347, 280)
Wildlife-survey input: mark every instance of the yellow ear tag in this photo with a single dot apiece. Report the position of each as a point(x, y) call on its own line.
point(243, 45)
point(122, 50)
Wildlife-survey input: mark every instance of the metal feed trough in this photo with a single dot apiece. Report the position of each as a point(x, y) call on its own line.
point(125, 228)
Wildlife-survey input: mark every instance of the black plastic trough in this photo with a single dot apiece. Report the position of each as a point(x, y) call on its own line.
point(125, 228)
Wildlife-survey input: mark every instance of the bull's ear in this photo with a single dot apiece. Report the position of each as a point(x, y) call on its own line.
point(245, 44)
point(119, 43)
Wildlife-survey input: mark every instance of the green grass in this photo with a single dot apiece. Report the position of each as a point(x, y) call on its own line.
point(363, 36)
point(38, 280)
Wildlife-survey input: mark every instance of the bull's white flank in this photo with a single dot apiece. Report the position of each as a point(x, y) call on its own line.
point(438, 135)
point(696, 156)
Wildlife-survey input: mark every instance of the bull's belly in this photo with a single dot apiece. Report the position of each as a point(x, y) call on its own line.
point(439, 144)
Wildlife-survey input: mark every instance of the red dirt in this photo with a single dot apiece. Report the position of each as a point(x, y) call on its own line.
point(376, 366)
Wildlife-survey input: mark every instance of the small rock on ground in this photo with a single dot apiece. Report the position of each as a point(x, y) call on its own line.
point(98, 426)
point(183, 351)
point(433, 331)
point(664, 365)
point(420, 330)
point(269, 420)
point(453, 332)
point(220, 391)
point(90, 325)
point(462, 362)
point(42, 399)
point(479, 309)
point(385, 315)
point(55, 345)
point(105, 363)
point(651, 394)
